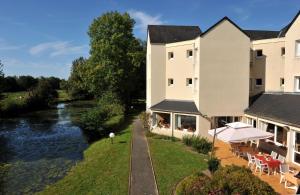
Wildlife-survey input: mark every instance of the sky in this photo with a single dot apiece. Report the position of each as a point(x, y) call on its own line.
point(42, 38)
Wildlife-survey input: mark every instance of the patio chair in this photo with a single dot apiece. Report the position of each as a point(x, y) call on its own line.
point(283, 168)
point(281, 158)
point(274, 154)
point(259, 165)
point(251, 160)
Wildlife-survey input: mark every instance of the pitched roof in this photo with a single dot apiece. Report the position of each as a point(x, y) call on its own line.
point(261, 34)
point(280, 107)
point(170, 33)
point(285, 29)
point(176, 106)
point(220, 21)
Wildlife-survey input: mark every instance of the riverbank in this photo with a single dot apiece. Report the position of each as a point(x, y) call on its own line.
point(104, 170)
point(14, 103)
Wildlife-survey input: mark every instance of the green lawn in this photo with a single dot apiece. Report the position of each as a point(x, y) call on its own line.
point(172, 162)
point(104, 170)
point(16, 97)
point(63, 96)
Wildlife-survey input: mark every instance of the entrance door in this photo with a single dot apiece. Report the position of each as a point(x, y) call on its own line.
point(296, 154)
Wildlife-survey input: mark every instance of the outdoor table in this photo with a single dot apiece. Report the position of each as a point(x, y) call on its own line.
point(273, 164)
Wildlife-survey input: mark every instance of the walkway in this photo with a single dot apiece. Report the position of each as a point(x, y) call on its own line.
point(142, 176)
point(227, 158)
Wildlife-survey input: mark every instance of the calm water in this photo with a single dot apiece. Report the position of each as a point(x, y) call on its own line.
point(39, 148)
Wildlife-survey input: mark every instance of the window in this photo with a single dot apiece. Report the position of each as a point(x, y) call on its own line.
point(185, 123)
point(259, 53)
point(298, 48)
point(281, 82)
point(258, 82)
point(281, 135)
point(189, 53)
point(189, 82)
point(282, 51)
point(297, 84)
point(170, 55)
point(170, 82)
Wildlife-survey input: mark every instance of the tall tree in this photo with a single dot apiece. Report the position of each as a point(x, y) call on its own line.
point(115, 55)
point(77, 83)
point(1, 78)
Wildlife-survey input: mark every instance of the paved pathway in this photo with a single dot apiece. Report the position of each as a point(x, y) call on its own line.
point(142, 176)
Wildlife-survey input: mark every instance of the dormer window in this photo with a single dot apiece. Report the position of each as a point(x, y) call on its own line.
point(170, 55)
point(189, 53)
point(259, 53)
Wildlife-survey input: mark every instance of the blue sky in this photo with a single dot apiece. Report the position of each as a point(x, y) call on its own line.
point(41, 38)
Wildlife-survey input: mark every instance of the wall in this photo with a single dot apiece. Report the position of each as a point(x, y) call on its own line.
point(179, 69)
point(224, 71)
point(156, 73)
point(270, 67)
point(292, 63)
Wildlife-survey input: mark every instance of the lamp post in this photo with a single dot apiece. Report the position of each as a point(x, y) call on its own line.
point(111, 136)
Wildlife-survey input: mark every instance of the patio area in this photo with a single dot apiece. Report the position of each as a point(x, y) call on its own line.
point(222, 151)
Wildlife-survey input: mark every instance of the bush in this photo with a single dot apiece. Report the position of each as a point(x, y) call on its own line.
point(238, 180)
point(106, 117)
point(213, 164)
point(145, 118)
point(193, 184)
point(200, 144)
point(226, 180)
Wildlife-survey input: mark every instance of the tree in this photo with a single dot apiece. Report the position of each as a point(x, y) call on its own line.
point(116, 56)
point(1, 78)
point(26, 82)
point(78, 80)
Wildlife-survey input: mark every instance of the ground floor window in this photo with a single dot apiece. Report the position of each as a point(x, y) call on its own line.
point(162, 119)
point(251, 121)
point(185, 123)
point(297, 148)
point(222, 120)
point(280, 133)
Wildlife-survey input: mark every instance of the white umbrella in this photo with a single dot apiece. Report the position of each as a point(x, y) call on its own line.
point(239, 132)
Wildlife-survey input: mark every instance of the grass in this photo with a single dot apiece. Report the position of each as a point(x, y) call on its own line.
point(172, 162)
point(63, 96)
point(104, 170)
point(16, 97)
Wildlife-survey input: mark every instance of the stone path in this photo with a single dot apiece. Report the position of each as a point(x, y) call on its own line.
point(142, 177)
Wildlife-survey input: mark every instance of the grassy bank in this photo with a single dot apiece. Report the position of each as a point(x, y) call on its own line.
point(104, 170)
point(172, 162)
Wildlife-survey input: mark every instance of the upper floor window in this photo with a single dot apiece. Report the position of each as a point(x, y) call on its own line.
point(170, 55)
point(189, 82)
point(259, 53)
point(298, 48)
point(297, 84)
point(258, 82)
point(189, 53)
point(170, 82)
point(281, 82)
point(282, 51)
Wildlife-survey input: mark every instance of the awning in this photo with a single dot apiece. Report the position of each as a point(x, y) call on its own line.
point(239, 132)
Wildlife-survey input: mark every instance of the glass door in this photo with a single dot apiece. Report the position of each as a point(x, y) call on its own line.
point(297, 147)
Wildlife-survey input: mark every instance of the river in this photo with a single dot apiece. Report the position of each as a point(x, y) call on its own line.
point(39, 148)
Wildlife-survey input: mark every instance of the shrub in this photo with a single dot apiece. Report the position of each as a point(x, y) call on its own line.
point(200, 144)
point(213, 164)
point(238, 180)
point(226, 180)
point(145, 118)
point(193, 184)
point(106, 117)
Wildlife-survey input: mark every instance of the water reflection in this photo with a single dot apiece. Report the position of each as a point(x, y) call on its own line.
point(39, 148)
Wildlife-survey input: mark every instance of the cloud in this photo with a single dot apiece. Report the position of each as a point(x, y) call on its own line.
point(4, 46)
point(242, 13)
point(58, 48)
point(143, 20)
